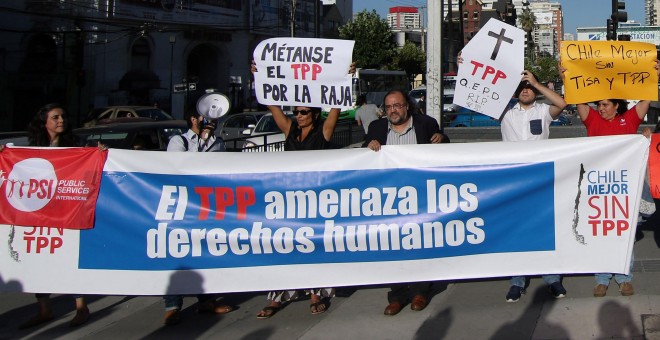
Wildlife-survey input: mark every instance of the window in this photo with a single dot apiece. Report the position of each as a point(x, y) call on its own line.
point(475, 15)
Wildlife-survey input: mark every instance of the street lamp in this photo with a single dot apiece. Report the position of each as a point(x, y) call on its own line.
point(172, 42)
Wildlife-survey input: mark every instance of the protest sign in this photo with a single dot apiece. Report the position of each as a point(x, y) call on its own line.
point(598, 70)
point(222, 222)
point(491, 69)
point(304, 72)
point(50, 187)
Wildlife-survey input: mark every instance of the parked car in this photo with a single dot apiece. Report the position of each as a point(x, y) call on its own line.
point(447, 98)
point(107, 114)
point(230, 128)
point(562, 120)
point(265, 136)
point(143, 135)
point(468, 118)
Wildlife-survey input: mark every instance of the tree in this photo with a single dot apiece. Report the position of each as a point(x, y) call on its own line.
point(527, 24)
point(374, 46)
point(545, 69)
point(411, 59)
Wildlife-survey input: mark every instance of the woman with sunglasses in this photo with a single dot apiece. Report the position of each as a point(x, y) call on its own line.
point(305, 131)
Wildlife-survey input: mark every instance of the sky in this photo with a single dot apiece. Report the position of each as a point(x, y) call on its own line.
point(577, 13)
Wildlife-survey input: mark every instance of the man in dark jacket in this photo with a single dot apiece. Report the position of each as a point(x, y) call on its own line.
point(402, 127)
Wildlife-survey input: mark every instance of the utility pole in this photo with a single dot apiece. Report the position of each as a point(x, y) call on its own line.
point(434, 61)
point(293, 18)
point(422, 26)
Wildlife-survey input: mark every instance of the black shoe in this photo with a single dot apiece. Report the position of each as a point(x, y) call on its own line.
point(557, 290)
point(514, 294)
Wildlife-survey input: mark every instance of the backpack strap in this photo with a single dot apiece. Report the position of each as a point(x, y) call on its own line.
point(185, 142)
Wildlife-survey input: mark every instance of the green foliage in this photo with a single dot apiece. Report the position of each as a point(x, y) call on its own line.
point(411, 59)
point(374, 45)
point(527, 20)
point(545, 69)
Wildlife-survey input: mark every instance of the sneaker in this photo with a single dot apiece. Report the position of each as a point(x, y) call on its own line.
point(514, 294)
point(557, 290)
point(626, 289)
point(600, 290)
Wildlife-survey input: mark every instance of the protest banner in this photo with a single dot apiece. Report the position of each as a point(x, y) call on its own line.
point(304, 72)
point(50, 187)
point(491, 70)
point(223, 223)
point(598, 70)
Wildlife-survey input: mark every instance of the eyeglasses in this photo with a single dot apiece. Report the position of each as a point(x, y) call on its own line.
point(396, 106)
point(302, 112)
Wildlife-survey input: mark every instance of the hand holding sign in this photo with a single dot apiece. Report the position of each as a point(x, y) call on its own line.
point(490, 73)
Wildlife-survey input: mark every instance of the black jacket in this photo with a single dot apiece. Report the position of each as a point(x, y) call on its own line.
point(424, 126)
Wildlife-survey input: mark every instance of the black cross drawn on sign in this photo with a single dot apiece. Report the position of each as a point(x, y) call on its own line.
point(500, 37)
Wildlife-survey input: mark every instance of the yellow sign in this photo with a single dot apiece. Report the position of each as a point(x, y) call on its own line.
point(598, 70)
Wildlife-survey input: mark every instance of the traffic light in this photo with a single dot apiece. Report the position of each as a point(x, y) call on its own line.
point(618, 15)
point(611, 30)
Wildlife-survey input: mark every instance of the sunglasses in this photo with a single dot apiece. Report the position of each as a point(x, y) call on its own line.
point(302, 112)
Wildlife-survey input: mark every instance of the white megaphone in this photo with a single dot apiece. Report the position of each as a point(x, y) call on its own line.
point(213, 105)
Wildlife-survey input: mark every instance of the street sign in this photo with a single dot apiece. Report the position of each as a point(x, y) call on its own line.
point(182, 87)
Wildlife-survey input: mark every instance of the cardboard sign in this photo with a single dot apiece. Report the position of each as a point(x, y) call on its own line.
point(598, 70)
point(304, 72)
point(493, 62)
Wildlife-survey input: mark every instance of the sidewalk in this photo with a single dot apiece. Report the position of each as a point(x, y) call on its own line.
point(471, 309)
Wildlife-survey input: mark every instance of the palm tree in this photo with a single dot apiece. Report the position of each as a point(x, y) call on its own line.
point(527, 21)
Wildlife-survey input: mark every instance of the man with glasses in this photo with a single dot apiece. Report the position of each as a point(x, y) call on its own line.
point(403, 127)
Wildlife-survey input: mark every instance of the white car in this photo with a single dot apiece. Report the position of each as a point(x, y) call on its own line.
point(265, 136)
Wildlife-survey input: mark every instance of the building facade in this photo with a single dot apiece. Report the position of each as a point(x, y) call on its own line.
point(93, 53)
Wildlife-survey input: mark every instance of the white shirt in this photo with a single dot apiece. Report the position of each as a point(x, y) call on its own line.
point(195, 144)
point(519, 124)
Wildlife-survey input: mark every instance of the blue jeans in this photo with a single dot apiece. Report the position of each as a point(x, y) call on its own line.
point(520, 280)
point(604, 278)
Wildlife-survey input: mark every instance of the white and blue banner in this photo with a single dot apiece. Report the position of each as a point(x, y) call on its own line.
point(229, 222)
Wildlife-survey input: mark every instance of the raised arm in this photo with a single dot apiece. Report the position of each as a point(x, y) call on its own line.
point(557, 102)
point(583, 108)
point(330, 123)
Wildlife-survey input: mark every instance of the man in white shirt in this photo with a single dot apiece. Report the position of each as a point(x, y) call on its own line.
point(198, 138)
point(365, 113)
point(530, 120)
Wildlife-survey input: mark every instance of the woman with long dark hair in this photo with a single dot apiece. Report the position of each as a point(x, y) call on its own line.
point(50, 128)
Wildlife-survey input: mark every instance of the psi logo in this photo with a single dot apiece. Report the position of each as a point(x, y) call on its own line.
point(31, 184)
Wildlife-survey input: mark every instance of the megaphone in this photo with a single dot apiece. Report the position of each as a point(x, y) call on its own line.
point(213, 105)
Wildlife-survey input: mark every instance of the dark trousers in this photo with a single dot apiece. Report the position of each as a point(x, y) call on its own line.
point(653, 222)
point(403, 292)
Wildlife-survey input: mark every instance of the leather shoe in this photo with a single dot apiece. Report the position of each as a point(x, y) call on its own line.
point(419, 302)
point(393, 308)
point(172, 317)
point(213, 308)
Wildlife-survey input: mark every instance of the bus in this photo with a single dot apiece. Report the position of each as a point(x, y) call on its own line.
point(374, 84)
